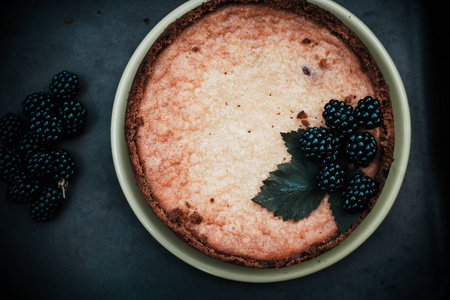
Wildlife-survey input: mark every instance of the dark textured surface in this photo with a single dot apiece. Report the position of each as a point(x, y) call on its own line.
point(97, 249)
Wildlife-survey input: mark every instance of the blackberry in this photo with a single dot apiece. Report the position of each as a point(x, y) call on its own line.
point(368, 113)
point(64, 85)
point(73, 117)
point(361, 148)
point(31, 143)
point(63, 165)
point(40, 165)
point(22, 188)
point(36, 102)
point(10, 164)
point(319, 144)
point(339, 117)
point(11, 128)
point(331, 177)
point(52, 165)
point(46, 127)
point(47, 205)
point(358, 192)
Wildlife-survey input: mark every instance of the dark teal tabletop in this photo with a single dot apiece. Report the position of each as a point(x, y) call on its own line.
point(96, 248)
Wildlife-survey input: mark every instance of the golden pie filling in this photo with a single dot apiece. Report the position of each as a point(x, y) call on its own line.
point(205, 116)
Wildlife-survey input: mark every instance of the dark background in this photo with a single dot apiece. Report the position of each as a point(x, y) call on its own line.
point(96, 248)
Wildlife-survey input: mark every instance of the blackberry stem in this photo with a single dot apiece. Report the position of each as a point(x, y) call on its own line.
point(63, 185)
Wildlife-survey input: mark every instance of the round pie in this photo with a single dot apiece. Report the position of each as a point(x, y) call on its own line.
point(207, 112)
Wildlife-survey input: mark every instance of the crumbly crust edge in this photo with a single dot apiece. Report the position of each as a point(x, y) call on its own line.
point(176, 219)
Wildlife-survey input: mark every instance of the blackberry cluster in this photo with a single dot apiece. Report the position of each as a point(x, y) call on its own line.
point(33, 166)
point(53, 165)
point(340, 147)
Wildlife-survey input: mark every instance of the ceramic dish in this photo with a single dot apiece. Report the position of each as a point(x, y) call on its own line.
point(239, 273)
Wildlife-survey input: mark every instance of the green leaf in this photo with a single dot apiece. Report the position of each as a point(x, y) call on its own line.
point(291, 191)
point(343, 219)
point(292, 142)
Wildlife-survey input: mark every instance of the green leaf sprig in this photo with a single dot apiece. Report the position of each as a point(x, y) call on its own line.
point(291, 191)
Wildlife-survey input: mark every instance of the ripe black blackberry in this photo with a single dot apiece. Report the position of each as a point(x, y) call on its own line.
point(73, 117)
point(39, 102)
point(47, 205)
point(46, 127)
point(11, 129)
point(319, 144)
point(64, 85)
point(331, 177)
point(358, 192)
point(10, 164)
point(63, 165)
point(339, 117)
point(30, 143)
point(361, 148)
point(22, 188)
point(52, 165)
point(368, 113)
point(40, 165)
